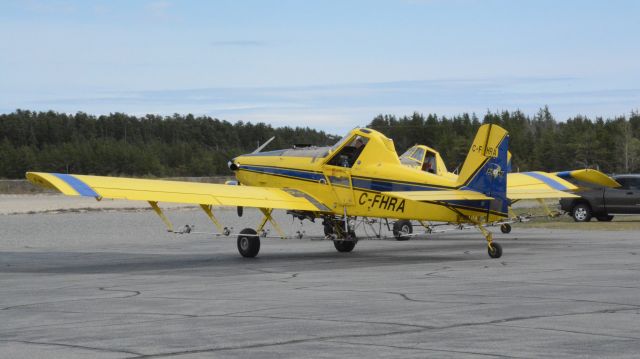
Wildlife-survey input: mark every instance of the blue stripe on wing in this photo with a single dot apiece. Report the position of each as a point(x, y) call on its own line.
point(77, 185)
point(549, 181)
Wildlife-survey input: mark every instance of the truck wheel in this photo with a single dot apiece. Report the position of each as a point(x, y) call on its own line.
point(606, 218)
point(582, 212)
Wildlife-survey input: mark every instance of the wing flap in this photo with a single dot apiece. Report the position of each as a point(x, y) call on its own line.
point(444, 195)
point(173, 191)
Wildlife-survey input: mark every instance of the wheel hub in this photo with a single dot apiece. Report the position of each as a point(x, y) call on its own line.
point(244, 243)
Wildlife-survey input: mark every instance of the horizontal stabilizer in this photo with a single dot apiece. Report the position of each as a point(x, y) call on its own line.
point(175, 191)
point(444, 195)
point(590, 176)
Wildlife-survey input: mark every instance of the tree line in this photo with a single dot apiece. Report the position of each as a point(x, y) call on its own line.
point(186, 145)
point(537, 143)
point(119, 144)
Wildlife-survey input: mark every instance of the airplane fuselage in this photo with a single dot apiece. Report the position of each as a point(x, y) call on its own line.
point(358, 190)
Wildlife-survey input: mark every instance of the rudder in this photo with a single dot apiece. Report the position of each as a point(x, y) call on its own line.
point(486, 165)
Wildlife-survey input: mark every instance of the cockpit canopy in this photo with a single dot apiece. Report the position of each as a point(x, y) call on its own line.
point(424, 158)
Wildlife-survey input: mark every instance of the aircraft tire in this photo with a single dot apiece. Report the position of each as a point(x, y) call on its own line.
point(402, 227)
point(495, 250)
point(344, 246)
point(505, 228)
point(248, 246)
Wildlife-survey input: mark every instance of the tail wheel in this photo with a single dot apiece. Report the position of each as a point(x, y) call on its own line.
point(505, 228)
point(495, 250)
point(582, 212)
point(401, 228)
point(248, 243)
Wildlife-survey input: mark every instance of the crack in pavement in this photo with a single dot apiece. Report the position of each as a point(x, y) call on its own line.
point(135, 293)
point(13, 330)
point(265, 345)
point(424, 349)
point(107, 289)
point(568, 331)
point(570, 300)
point(174, 315)
point(73, 346)
point(404, 296)
point(417, 329)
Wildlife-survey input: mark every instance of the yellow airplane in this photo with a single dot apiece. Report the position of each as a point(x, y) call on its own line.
point(361, 176)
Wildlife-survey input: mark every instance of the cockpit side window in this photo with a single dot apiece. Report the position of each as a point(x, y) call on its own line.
point(408, 152)
point(418, 155)
point(349, 154)
point(429, 164)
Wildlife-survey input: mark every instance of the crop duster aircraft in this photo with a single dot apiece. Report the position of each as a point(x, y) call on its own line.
point(361, 176)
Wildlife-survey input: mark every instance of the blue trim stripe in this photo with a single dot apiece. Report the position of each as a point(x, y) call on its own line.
point(377, 185)
point(77, 185)
point(388, 186)
point(564, 174)
point(314, 176)
point(551, 182)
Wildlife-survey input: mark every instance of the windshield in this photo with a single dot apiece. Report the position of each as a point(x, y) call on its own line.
point(408, 152)
point(339, 143)
point(412, 156)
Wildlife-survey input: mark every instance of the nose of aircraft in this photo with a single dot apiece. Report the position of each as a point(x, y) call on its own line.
point(232, 165)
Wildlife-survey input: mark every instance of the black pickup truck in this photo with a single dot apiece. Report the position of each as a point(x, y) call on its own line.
point(603, 203)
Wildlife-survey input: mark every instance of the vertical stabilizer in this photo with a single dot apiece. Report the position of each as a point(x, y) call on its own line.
point(486, 166)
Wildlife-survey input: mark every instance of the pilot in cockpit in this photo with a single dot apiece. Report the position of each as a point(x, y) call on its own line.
point(359, 146)
point(429, 164)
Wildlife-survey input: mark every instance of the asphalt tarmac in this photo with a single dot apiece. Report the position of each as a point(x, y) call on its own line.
point(116, 285)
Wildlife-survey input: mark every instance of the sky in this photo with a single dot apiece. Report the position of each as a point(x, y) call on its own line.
point(331, 65)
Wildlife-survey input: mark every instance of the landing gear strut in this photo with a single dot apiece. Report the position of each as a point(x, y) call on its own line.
point(493, 248)
point(343, 242)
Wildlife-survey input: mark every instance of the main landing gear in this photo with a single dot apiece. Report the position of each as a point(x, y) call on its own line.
point(248, 243)
point(249, 239)
point(402, 230)
point(343, 241)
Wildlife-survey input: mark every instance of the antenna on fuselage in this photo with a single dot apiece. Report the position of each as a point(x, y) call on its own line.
point(264, 145)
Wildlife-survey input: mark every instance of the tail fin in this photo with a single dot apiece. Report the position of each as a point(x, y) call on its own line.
point(486, 166)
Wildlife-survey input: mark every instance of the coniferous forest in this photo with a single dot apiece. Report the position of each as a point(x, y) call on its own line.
point(185, 145)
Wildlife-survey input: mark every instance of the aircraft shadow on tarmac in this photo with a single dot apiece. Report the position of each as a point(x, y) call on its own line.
point(61, 262)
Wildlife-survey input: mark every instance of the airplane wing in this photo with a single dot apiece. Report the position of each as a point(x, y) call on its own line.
point(538, 185)
point(444, 195)
point(177, 192)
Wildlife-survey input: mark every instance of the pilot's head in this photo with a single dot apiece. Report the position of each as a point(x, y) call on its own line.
point(359, 142)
